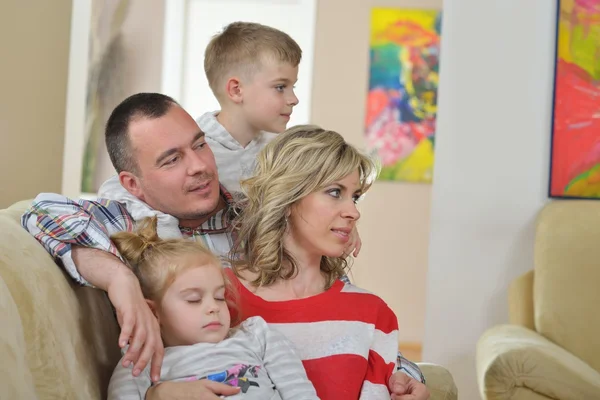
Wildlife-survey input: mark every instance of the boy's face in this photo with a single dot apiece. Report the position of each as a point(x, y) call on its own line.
point(268, 97)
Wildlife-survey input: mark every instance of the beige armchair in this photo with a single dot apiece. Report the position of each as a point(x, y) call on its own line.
point(59, 340)
point(551, 349)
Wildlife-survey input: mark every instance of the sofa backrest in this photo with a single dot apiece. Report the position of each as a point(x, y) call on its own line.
point(58, 340)
point(567, 277)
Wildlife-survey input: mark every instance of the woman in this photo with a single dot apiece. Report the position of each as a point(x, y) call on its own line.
point(295, 225)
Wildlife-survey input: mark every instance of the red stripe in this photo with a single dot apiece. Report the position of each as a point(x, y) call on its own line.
point(332, 305)
point(379, 372)
point(337, 377)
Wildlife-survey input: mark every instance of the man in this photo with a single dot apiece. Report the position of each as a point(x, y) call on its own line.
point(163, 160)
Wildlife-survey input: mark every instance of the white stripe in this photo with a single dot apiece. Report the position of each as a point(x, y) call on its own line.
point(374, 391)
point(327, 338)
point(386, 345)
point(349, 288)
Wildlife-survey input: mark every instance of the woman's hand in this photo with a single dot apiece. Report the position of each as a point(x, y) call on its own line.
point(354, 244)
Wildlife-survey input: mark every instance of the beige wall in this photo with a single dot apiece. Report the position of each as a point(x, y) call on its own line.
point(395, 216)
point(34, 38)
point(143, 42)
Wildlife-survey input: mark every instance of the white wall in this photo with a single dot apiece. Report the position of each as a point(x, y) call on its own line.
point(491, 172)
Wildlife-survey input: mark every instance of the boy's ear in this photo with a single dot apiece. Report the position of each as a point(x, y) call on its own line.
point(233, 89)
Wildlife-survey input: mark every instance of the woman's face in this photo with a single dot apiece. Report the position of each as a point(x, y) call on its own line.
point(321, 223)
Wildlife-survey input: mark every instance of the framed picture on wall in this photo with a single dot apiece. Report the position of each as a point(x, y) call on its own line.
point(400, 123)
point(575, 154)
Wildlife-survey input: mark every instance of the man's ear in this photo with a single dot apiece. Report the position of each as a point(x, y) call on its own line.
point(131, 183)
point(233, 89)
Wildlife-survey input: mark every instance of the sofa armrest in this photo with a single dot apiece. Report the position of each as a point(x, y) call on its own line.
point(439, 382)
point(511, 357)
point(520, 301)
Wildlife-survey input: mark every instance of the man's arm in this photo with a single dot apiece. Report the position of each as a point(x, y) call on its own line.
point(77, 234)
point(58, 223)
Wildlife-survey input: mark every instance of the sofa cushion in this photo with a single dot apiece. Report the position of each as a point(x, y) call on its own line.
point(63, 338)
point(567, 275)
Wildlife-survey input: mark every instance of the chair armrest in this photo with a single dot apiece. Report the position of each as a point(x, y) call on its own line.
point(520, 301)
point(510, 357)
point(439, 382)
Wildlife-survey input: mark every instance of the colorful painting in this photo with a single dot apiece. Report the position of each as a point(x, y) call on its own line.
point(575, 161)
point(402, 99)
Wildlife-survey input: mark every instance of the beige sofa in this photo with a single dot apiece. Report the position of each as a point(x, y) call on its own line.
point(551, 348)
point(58, 340)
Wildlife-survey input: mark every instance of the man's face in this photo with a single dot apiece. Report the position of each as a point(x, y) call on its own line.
point(177, 174)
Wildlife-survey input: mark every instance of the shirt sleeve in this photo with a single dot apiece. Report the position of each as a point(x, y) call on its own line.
point(282, 363)
point(124, 386)
point(58, 223)
point(403, 365)
point(382, 356)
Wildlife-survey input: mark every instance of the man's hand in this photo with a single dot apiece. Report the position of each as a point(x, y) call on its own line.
point(404, 387)
point(196, 390)
point(354, 244)
point(139, 326)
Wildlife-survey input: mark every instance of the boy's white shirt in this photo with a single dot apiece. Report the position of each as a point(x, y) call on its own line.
point(234, 162)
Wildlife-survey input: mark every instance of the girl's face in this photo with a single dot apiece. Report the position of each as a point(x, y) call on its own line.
point(320, 224)
point(193, 309)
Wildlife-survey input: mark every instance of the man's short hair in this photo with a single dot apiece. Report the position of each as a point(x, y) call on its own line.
point(116, 134)
point(240, 48)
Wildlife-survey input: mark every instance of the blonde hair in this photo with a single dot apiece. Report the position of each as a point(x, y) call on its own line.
point(157, 262)
point(240, 48)
point(298, 162)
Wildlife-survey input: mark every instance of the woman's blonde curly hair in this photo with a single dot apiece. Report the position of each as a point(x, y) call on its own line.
point(298, 162)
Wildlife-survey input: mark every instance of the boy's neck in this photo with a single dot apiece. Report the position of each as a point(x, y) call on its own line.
point(237, 127)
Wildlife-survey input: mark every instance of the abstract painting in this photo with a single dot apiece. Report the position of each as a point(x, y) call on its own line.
point(402, 99)
point(575, 158)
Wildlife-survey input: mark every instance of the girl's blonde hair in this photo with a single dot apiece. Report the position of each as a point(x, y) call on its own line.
point(297, 163)
point(157, 262)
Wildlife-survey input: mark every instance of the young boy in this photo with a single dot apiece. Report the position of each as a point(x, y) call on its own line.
point(251, 69)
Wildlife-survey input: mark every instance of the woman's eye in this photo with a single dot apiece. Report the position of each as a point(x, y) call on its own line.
point(335, 193)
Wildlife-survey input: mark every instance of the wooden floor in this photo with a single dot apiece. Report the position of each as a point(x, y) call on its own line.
point(411, 351)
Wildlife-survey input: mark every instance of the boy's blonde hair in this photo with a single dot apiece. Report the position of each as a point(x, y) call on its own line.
point(157, 262)
point(298, 162)
point(241, 47)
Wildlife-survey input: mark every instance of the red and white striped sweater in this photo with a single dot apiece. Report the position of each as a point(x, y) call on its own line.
point(346, 337)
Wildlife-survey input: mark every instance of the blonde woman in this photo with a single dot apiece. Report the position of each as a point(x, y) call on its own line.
point(184, 286)
point(290, 261)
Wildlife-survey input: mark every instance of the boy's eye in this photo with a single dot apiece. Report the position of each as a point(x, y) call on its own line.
point(280, 88)
point(199, 145)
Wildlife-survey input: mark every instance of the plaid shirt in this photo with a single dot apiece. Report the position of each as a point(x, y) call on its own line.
point(58, 223)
